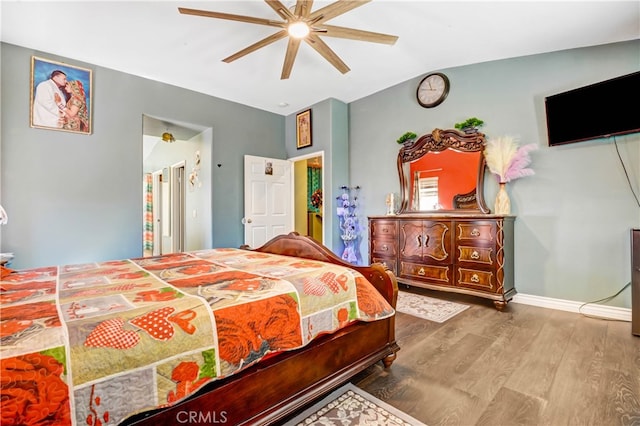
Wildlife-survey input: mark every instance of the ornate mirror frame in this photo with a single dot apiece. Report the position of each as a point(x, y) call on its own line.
point(439, 140)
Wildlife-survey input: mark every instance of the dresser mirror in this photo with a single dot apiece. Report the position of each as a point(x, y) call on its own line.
point(443, 171)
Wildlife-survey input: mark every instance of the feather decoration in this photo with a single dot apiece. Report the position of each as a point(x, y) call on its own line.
point(518, 165)
point(506, 160)
point(498, 153)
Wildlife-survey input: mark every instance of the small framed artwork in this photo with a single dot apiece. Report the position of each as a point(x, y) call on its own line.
point(303, 129)
point(61, 96)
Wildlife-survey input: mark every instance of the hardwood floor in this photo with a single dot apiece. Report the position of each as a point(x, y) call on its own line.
point(523, 366)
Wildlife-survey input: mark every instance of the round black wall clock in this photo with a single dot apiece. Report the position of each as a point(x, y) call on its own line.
point(433, 90)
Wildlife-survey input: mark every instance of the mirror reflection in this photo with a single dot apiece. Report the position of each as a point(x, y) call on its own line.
point(439, 178)
point(443, 170)
point(176, 186)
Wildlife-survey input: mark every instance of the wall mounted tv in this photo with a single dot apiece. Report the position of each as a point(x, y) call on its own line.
point(596, 111)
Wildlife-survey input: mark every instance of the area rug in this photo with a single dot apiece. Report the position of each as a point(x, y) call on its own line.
point(427, 307)
point(351, 406)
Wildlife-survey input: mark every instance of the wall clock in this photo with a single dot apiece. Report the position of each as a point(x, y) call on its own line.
point(433, 90)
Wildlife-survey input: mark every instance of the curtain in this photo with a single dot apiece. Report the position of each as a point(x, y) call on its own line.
point(147, 236)
point(314, 183)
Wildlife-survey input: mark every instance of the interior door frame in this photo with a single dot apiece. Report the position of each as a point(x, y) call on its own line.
point(306, 157)
point(178, 205)
point(157, 211)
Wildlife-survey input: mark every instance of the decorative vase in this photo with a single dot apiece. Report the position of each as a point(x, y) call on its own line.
point(503, 204)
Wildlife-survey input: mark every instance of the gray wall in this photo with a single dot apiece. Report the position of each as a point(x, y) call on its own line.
point(75, 198)
point(330, 133)
point(574, 215)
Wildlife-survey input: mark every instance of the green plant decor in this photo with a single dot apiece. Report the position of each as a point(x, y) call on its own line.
point(409, 136)
point(470, 122)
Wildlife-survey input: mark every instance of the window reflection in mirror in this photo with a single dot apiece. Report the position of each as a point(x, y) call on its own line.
point(426, 189)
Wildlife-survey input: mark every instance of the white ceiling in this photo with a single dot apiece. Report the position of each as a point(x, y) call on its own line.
point(152, 40)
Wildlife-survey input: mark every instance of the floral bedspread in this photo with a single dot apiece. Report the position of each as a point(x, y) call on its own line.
point(92, 344)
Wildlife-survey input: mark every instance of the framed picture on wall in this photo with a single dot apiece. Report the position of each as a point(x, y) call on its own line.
point(303, 129)
point(60, 96)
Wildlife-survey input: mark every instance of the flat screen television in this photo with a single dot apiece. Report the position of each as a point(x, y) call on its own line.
point(595, 111)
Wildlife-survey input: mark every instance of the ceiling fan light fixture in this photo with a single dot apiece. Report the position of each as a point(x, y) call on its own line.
point(298, 29)
point(299, 23)
point(168, 137)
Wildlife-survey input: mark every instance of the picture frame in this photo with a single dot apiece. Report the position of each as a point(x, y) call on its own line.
point(61, 96)
point(303, 129)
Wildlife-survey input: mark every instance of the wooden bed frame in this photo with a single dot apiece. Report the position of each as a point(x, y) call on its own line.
point(278, 386)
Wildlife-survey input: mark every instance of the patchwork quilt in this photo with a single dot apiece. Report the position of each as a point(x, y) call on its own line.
point(94, 343)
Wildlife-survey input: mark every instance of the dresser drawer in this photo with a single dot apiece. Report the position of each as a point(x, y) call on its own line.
point(479, 255)
point(384, 247)
point(432, 273)
point(476, 231)
point(476, 278)
point(387, 262)
point(384, 229)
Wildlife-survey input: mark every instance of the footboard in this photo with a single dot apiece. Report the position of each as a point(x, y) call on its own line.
point(296, 245)
point(277, 388)
point(281, 385)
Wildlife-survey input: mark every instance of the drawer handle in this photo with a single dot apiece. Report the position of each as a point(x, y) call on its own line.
point(475, 232)
point(475, 255)
point(384, 247)
point(419, 238)
point(421, 272)
point(475, 278)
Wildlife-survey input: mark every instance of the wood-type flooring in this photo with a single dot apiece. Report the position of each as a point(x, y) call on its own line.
point(525, 365)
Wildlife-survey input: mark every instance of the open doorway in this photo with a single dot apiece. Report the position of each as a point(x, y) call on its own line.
point(177, 186)
point(309, 196)
point(298, 204)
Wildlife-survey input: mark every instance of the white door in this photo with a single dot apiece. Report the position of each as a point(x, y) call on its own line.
point(268, 199)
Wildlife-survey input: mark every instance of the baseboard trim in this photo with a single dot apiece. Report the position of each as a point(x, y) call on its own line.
point(601, 311)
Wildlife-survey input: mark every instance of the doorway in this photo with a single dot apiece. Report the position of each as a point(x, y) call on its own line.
point(299, 197)
point(177, 186)
point(308, 191)
point(178, 207)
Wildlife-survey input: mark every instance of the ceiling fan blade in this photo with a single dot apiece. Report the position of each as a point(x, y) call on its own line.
point(314, 41)
point(264, 42)
point(231, 17)
point(292, 51)
point(281, 10)
point(353, 34)
point(303, 8)
point(336, 9)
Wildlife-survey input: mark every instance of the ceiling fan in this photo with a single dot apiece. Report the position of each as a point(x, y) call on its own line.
point(302, 24)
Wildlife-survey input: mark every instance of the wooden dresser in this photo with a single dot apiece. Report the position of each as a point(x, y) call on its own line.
point(463, 253)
